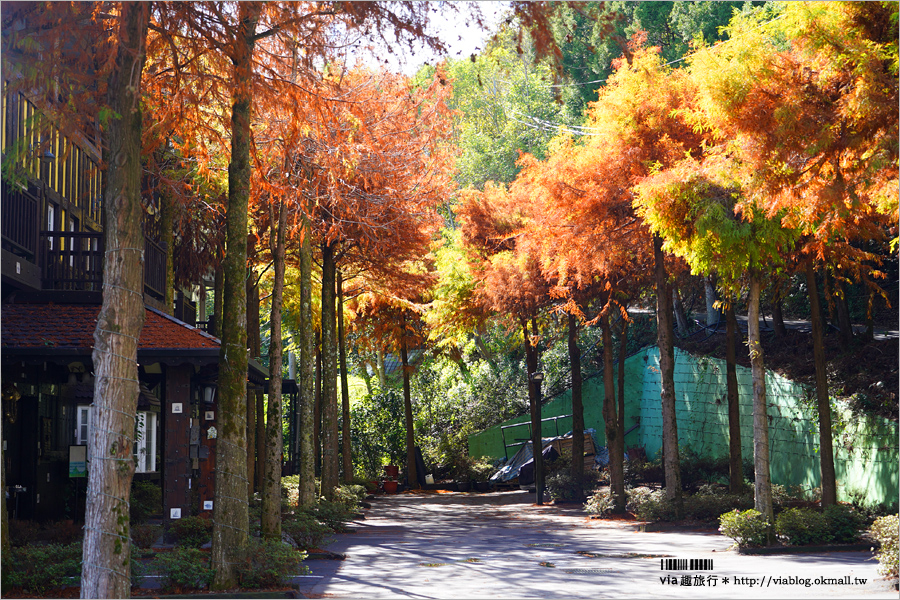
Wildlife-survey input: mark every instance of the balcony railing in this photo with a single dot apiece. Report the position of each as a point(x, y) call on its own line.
point(154, 268)
point(71, 260)
point(20, 221)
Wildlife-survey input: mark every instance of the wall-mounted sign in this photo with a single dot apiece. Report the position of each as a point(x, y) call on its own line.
point(207, 504)
point(77, 461)
point(174, 513)
point(211, 433)
point(209, 415)
point(176, 408)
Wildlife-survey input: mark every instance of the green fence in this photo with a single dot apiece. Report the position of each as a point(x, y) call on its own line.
point(867, 461)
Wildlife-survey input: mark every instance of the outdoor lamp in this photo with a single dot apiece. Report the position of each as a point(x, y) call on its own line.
point(209, 393)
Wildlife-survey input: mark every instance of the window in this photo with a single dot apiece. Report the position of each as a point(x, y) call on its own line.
point(145, 429)
point(83, 426)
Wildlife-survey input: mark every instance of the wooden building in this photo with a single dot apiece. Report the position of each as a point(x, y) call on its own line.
point(51, 267)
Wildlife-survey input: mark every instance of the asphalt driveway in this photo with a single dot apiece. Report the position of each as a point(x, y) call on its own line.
point(500, 545)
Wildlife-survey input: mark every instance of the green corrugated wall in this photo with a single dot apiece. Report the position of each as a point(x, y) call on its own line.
point(867, 462)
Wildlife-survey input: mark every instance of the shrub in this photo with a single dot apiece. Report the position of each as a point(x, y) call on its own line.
point(350, 496)
point(748, 528)
point(144, 536)
point(802, 526)
point(650, 505)
point(192, 532)
point(39, 569)
point(563, 486)
point(62, 532)
point(481, 470)
point(332, 514)
point(305, 529)
point(843, 522)
point(884, 529)
point(146, 500)
point(184, 568)
point(268, 563)
point(23, 532)
point(707, 504)
point(599, 503)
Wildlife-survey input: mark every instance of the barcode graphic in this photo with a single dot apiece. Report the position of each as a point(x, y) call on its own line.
point(684, 564)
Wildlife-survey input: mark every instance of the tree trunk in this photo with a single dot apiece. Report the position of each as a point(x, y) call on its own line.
point(411, 476)
point(346, 456)
point(763, 487)
point(106, 556)
point(486, 352)
point(623, 350)
point(777, 312)
point(270, 523)
point(611, 421)
point(843, 314)
point(254, 346)
point(680, 318)
point(870, 317)
point(665, 341)
point(577, 408)
point(379, 366)
point(735, 461)
point(713, 315)
point(230, 511)
point(826, 451)
point(317, 407)
point(308, 430)
point(330, 464)
point(534, 397)
point(167, 233)
point(215, 325)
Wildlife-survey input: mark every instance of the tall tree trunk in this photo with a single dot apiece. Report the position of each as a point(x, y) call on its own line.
point(735, 461)
point(254, 346)
point(577, 407)
point(308, 429)
point(713, 315)
point(678, 307)
point(611, 421)
point(534, 397)
point(167, 233)
point(777, 308)
point(486, 352)
point(330, 464)
point(106, 556)
point(826, 450)
point(317, 407)
point(411, 476)
point(870, 317)
point(270, 523)
point(346, 456)
point(231, 522)
point(363, 365)
point(623, 350)
point(379, 366)
point(843, 313)
point(763, 487)
point(215, 327)
point(665, 341)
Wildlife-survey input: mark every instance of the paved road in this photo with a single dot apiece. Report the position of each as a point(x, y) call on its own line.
point(500, 545)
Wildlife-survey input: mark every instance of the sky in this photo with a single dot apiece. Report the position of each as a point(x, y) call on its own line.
point(462, 39)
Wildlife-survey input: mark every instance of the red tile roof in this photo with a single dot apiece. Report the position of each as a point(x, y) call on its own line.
point(72, 326)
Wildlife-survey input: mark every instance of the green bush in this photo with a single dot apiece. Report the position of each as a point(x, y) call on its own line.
point(884, 529)
point(146, 501)
point(802, 526)
point(748, 528)
point(268, 563)
point(305, 529)
point(563, 486)
point(650, 505)
point(184, 568)
point(350, 496)
point(61, 532)
point(38, 569)
point(332, 514)
point(707, 504)
point(599, 503)
point(22, 533)
point(192, 532)
point(144, 536)
point(844, 523)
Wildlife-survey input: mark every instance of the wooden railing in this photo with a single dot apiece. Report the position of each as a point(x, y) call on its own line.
point(71, 260)
point(20, 221)
point(154, 268)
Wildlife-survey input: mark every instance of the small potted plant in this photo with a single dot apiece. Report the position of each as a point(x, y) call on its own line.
point(481, 472)
point(462, 473)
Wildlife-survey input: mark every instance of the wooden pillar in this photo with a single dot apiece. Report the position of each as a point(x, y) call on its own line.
point(176, 449)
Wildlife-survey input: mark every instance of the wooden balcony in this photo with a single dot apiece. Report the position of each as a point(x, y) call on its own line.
point(71, 261)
